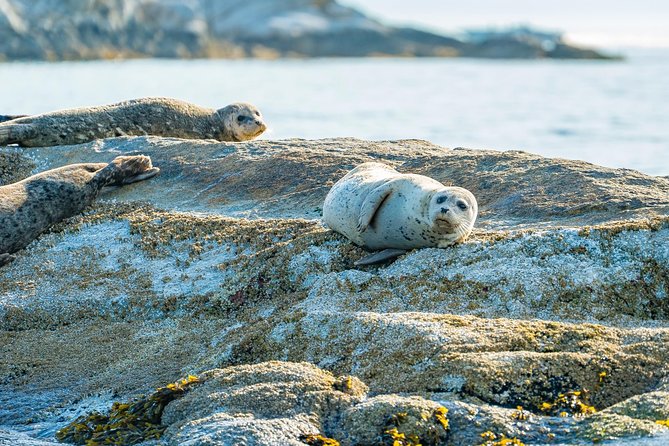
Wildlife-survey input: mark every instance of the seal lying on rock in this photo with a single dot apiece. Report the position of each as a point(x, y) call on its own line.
point(378, 208)
point(4, 118)
point(137, 117)
point(31, 206)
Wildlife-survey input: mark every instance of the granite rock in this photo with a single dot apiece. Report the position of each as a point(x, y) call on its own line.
point(220, 267)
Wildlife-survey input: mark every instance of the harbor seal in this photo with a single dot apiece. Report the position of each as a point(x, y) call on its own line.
point(4, 118)
point(137, 117)
point(31, 206)
point(378, 208)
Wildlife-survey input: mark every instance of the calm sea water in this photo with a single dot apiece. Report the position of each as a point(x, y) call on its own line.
point(610, 113)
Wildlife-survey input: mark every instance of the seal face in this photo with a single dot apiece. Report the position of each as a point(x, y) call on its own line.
point(31, 206)
point(243, 120)
point(137, 117)
point(377, 207)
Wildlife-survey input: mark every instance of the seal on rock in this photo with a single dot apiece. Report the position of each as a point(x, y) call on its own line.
point(32, 206)
point(378, 208)
point(4, 118)
point(137, 117)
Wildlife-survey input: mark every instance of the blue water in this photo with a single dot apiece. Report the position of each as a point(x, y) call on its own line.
point(610, 113)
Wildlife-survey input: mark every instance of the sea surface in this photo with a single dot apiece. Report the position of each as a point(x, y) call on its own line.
point(611, 113)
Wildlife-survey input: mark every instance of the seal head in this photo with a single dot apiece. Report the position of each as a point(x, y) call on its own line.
point(452, 212)
point(242, 120)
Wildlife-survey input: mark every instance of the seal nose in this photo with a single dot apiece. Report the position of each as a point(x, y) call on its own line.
point(444, 210)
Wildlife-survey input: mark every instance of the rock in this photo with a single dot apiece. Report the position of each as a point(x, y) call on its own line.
point(220, 267)
point(66, 30)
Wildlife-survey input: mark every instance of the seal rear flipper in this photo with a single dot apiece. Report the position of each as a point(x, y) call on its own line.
point(380, 257)
point(6, 258)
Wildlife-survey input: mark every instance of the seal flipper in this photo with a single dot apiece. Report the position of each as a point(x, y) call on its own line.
point(6, 258)
point(372, 204)
point(380, 257)
point(142, 176)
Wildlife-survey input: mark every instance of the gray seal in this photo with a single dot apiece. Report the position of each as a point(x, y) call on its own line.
point(32, 206)
point(137, 117)
point(378, 208)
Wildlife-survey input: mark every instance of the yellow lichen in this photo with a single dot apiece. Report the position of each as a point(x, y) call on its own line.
point(440, 415)
point(127, 423)
point(424, 429)
point(664, 423)
point(491, 439)
point(573, 403)
point(318, 440)
point(400, 439)
point(520, 414)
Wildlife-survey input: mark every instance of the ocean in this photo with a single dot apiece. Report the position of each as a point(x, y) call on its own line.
point(609, 113)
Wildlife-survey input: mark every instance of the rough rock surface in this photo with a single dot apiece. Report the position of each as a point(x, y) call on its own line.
point(75, 29)
point(219, 266)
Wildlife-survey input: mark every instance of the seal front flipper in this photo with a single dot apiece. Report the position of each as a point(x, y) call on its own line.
point(380, 257)
point(125, 170)
point(142, 176)
point(372, 204)
point(6, 258)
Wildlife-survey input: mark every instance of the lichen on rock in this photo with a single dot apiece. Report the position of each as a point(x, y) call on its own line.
point(221, 268)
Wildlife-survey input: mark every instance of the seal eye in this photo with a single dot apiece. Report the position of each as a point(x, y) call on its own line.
point(462, 205)
point(441, 199)
point(241, 118)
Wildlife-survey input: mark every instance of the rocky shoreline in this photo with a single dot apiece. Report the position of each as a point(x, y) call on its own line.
point(219, 268)
point(112, 29)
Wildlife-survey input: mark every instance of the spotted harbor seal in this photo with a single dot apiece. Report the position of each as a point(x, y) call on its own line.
point(4, 118)
point(378, 208)
point(31, 206)
point(137, 117)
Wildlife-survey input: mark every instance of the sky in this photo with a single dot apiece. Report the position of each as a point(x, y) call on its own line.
point(601, 23)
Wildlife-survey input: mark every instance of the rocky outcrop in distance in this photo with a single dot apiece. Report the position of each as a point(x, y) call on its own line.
point(106, 29)
point(220, 268)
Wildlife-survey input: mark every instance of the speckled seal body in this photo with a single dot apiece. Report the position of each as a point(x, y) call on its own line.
point(31, 206)
point(137, 117)
point(377, 207)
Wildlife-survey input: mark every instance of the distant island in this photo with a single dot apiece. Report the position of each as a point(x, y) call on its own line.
point(110, 29)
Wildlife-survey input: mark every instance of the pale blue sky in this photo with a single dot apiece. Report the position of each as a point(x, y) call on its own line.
point(604, 23)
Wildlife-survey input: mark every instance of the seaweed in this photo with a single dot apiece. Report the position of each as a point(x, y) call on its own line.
point(126, 423)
